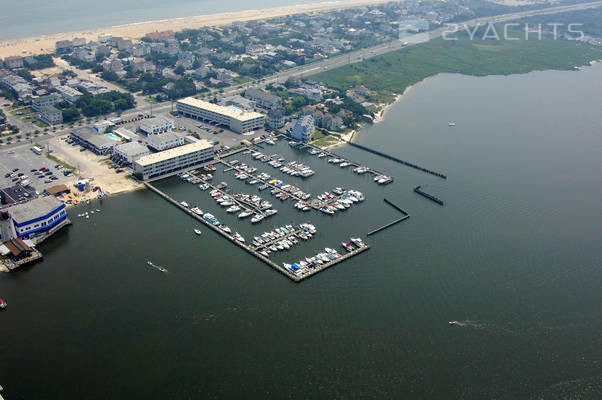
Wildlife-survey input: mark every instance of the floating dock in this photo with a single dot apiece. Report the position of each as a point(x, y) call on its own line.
point(307, 273)
point(418, 190)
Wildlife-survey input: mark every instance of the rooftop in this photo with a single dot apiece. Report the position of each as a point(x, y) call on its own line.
point(131, 148)
point(34, 209)
point(228, 111)
point(175, 152)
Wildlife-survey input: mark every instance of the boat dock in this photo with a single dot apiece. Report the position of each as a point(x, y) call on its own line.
point(390, 224)
point(308, 272)
point(418, 190)
point(328, 153)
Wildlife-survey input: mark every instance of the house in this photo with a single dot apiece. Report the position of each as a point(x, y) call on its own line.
point(83, 55)
point(79, 42)
point(275, 119)
point(264, 99)
point(64, 47)
point(304, 129)
point(51, 115)
point(13, 62)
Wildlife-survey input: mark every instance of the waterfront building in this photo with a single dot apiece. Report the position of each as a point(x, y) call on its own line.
point(51, 115)
point(264, 99)
point(45, 101)
point(173, 160)
point(64, 47)
point(156, 125)
point(304, 129)
point(37, 215)
point(130, 152)
point(13, 62)
point(233, 118)
point(275, 118)
point(165, 141)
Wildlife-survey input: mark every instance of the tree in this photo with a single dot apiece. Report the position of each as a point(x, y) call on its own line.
point(70, 114)
point(110, 76)
point(179, 70)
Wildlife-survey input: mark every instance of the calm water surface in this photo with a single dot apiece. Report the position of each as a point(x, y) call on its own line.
point(514, 256)
point(28, 18)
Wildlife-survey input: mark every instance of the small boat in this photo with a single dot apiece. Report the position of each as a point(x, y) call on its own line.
point(198, 232)
point(358, 242)
point(184, 204)
point(244, 214)
point(451, 124)
point(452, 322)
point(3, 304)
point(157, 267)
point(257, 218)
point(226, 228)
point(239, 237)
point(233, 209)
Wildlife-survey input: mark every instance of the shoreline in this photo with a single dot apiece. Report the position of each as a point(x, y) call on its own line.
point(46, 43)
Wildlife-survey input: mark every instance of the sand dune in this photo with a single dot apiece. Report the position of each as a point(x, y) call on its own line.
point(46, 44)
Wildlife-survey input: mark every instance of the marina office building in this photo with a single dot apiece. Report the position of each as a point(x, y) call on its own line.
point(233, 118)
point(173, 160)
point(34, 216)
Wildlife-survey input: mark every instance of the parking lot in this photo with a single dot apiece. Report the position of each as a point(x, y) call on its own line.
point(22, 160)
point(206, 131)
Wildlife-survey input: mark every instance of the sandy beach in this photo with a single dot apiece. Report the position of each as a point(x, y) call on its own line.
point(46, 44)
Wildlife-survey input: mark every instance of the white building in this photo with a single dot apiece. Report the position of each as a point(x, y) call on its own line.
point(130, 152)
point(156, 125)
point(164, 141)
point(51, 115)
point(304, 129)
point(233, 118)
point(69, 94)
point(36, 215)
point(173, 160)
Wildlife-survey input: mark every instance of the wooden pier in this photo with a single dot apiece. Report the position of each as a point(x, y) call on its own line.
point(308, 272)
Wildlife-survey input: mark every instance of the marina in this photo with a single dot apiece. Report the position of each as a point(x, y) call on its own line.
point(296, 275)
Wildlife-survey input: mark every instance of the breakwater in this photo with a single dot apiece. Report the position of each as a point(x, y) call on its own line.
point(390, 224)
point(397, 160)
point(418, 190)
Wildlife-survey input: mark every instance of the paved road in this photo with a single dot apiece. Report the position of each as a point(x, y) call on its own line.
point(331, 62)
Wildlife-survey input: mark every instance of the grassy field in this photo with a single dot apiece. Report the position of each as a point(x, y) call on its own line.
point(395, 71)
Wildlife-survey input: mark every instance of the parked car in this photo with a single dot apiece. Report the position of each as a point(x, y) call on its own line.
point(7, 175)
point(15, 169)
point(54, 178)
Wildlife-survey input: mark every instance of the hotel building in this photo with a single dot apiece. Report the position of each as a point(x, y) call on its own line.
point(231, 117)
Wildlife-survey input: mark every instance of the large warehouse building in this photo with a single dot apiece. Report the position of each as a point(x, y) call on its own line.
point(173, 160)
point(233, 118)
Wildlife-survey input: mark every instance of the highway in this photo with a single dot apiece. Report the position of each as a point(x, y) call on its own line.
point(143, 106)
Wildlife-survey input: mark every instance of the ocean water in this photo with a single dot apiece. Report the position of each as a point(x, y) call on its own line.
point(514, 256)
point(30, 18)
